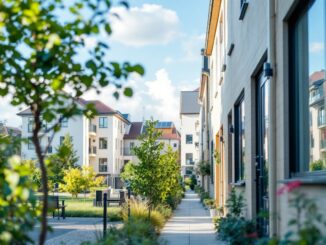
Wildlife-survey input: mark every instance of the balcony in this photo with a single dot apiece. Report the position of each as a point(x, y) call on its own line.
point(92, 151)
point(92, 130)
point(323, 144)
point(322, 120)
point(316, 96)
point(102, 168)
point(127, 151)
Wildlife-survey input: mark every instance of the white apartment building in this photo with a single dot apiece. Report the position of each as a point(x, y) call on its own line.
point(189, 117)
point(98, 142)
point(170, 136)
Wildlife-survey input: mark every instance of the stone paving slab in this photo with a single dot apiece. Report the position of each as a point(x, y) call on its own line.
point(73, 230)
point(190, 224)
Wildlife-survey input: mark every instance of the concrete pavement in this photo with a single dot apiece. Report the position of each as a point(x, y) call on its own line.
point(190, 225)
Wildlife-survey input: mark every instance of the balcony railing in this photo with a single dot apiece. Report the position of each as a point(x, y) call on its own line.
point(190, 162)
point(322, 119)
point(103, 168)
point(316, 97)
point(92, 150)
point(323, 144)
point(127, 151)
point(92, 128)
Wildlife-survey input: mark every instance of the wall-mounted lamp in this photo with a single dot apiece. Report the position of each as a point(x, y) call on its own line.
point(268, 71)
point(231, 129)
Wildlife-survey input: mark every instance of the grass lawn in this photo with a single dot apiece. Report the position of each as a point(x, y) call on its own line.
point(83, 207)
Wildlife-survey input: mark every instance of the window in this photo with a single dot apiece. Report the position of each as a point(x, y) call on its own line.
point(30, 124)
point(103, 122)
point(62, 138)
point(103, 143)
point(189, 139)
point(175, 145)
point(243, 8)
point(132, 144)
point(189, 159)
point(239, 139)
point(49, 145)
point(103, 165)
point(307, 37)
point(64, 123)
point(30, 144)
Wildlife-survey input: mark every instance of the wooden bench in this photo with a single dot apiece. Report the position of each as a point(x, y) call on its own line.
point(53, 205)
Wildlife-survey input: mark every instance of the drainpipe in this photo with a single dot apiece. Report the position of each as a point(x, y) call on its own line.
point(272, 110)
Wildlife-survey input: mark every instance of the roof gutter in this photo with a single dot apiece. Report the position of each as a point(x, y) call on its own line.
point(213, 16)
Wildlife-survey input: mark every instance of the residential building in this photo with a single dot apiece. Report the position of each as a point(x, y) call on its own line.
point(189, 117)
point(262, 104)
point(98, 141)
point(13, 132)
point(170, 137)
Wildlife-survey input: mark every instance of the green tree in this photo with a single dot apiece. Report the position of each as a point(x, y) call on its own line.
point(40, 58)
point(157, 173)
point(64, 158)
point(78, 180)
point(18, 206)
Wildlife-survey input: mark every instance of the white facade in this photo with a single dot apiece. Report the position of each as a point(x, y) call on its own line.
point(189, 143)
point(98, 142)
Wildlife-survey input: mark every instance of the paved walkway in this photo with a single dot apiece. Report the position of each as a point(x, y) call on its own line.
point(72, 231)
point(190, 225)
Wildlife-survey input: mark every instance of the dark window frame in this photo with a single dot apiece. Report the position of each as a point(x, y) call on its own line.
point(243, 8)
point(295, 170)
point(104, 123)
point(100, 145)
point(103, 165)
point(239, 172)
point(190, 141)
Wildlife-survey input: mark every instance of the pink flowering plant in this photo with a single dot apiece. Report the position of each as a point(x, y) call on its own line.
point(307, 224)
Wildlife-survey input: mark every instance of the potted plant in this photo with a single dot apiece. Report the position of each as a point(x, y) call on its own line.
point(210, 204)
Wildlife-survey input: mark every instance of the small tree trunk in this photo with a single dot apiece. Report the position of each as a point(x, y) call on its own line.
point(40, 156)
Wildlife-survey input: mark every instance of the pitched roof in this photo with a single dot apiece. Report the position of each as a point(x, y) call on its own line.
point(189, 102)
point(101, 108)
point(7, 130)
point(137, 128)
point(317, 75)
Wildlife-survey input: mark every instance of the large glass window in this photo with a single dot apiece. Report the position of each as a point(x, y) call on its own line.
point(30, 124)
point(30, 144)
point(239, 139)
point(103, 122)
point(189, 139)
point(64, 123)
point(103, 165)
point(307, 87)
point(103, 143)
point(189, 159)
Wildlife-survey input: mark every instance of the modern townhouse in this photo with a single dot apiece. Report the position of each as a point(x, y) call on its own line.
point(189, 117)
point(262, 104)
point(98, 141)
point(170, 137)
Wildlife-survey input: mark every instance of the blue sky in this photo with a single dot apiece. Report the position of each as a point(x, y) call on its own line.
point(166, 37)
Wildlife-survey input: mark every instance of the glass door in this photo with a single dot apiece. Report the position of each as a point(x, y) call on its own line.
point(262, 104)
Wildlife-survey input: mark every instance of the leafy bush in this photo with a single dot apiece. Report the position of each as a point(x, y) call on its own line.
point(139, 211)
point(134, 232)
point(317, 165)
point(175, 196)
point(204, 168)
point(193, 182)
point(209, 203)
point(234, 228)
point(165, 210)
point(187, 181)
point(198, 189)
point(204, 195)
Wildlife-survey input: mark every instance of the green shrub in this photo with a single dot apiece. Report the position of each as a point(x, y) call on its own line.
point(209, 203)
point(174, 198)
point(204, 195)
point(193, 182)
point(165, 210)
point(317, 165)
point(134, 232)
point(198, 189)
point(187, 181)
point(139, 211)
point(234, 228)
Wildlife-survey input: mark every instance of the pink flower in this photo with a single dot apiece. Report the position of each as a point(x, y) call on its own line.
point(252, 235)
point(288, 187)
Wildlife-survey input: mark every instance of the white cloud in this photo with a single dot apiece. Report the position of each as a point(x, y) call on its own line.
point(317, 47)
point(8, 113)
point(192, 47)
point(149, 24)
point(168, 60)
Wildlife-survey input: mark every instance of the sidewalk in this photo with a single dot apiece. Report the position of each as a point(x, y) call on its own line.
point(190, 225)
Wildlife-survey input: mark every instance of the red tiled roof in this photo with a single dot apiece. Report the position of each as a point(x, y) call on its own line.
point(101, 108)
point(317, 75)
point(135, 130)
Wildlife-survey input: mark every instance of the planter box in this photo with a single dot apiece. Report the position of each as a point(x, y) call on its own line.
point(213, 212)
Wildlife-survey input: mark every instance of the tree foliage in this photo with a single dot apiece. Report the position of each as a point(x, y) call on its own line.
point(64, 158)
point(18, 206)
point(78, 180)
point(156, 174)
point(40, 57)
